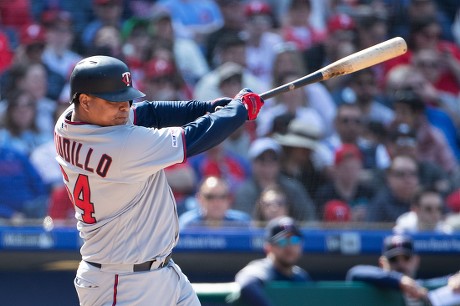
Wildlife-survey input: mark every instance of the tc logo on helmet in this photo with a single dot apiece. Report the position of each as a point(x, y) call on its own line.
point(126, 78)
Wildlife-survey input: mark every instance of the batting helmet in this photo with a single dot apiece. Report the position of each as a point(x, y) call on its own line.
point(105, 77)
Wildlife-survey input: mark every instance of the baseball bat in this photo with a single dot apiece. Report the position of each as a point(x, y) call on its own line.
point(354, 62)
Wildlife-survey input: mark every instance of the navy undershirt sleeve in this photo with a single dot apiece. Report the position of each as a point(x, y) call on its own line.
point(161, 114)
point(211, 129)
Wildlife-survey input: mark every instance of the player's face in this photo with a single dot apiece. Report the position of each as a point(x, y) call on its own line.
point(287, 251)
point(105, 113)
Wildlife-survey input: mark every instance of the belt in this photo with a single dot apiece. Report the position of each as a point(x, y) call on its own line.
point(142, 267)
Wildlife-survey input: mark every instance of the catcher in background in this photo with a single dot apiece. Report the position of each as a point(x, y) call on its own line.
point(112, 154)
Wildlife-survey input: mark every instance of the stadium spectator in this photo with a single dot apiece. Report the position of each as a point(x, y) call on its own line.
point(430, 64)
point(194, 18)
point(402, 141)
point(271, 204)
point(261, 39)
point(289, 60)
point(106, 12)
point(229, 49)
point(234, 20)
point(107, 41)
point(32, 44)
point(425, 34)
point(162, 81)
point(346, 185)
point(222, 163)
point(296, 27)
point(350, 128)
point(214, 207)
point(19, 129)
point(363, 90)
point(283, 249)
point(32, 78)
point(82, 13)
point(294, 103)
point(431, 143)
point(441, 111)
point(6, 53)
point(136, 39)
point(394, 197)
point(22, 192)
point(426, 214)
point(301, 158)
point(58, 55)
point(30, 52)
point(187, 54)
point(339, 41)
point(398, 266)
point(265, 154)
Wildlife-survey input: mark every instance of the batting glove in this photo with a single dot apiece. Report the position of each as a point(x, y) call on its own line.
point(253, 102)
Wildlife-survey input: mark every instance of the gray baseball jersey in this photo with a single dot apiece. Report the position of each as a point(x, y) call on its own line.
point(114, 176)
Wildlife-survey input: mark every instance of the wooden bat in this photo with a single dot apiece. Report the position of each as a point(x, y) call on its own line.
point(359, 60)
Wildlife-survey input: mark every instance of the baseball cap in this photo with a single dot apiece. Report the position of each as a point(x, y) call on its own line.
point(261, 145)
point(347, 150)
point(300, 134)
point(336, 211)
point(257, 8)
point(157, 68)
point(341, 22)
point(281, 227)
point(55, 18)
point(409, 97)
point(398, 245)
point(453, 201)
point(228, 70)
point(32, 34)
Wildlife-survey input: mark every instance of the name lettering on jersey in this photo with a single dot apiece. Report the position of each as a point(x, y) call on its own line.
point(82, 157)
point(175, 133)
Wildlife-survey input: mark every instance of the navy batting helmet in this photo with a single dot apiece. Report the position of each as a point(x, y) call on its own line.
point(105, 77)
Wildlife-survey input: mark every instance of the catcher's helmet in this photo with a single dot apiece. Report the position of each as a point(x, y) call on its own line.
point(105, 77)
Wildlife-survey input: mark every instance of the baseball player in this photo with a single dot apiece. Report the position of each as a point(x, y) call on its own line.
point(283, 249)
point(112, 154)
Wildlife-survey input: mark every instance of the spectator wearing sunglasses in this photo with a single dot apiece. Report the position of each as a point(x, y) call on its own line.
point(214, 201)
point(426, 214)
point(283, 249)
point(398, 266)
point(394, 197)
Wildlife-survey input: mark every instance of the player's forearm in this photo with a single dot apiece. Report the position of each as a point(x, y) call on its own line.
point(210, 130)
point(375, 276)
point(160, 114)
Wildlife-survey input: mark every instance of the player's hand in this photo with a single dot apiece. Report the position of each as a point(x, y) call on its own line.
point(454, 282)
point(410, 287)
point(253, 102)
point(219, 103)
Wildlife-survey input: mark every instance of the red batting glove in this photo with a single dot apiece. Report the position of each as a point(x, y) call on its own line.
point(253, 102)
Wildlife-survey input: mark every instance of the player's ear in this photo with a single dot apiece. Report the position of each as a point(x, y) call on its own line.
point(384, 263)
point(84, 101)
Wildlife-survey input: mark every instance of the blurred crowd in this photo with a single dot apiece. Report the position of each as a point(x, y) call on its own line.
point(379, 147)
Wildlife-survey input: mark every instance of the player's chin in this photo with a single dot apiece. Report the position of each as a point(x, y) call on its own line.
point(120, 120)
